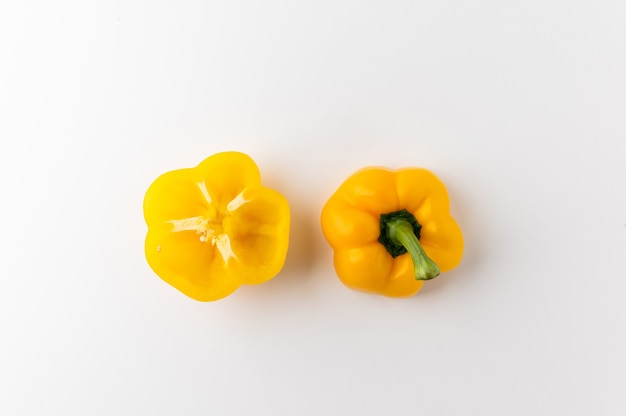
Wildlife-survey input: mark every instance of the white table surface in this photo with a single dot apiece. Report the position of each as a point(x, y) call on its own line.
point(519, 107)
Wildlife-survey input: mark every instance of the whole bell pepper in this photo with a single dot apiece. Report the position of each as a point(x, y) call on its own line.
point(391, 230)
point(214, 227)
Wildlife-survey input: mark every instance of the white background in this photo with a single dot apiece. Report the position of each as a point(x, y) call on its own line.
point(519, 107)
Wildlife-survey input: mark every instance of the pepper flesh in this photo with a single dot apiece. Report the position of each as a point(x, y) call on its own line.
point(351, 223)
point(215, 227)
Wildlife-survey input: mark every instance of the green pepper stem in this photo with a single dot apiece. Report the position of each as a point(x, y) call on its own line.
point(400, 231)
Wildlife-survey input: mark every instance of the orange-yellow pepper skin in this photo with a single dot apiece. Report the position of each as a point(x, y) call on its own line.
point(215, 227)
point(351, 223)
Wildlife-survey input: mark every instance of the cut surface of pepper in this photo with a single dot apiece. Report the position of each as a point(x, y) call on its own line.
point(391, 230)
point(215, 227)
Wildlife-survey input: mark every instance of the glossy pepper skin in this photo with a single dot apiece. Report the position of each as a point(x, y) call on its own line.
point(354, 224)
point(214, 227)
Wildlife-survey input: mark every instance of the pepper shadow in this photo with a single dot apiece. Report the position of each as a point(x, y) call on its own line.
point(305, 239)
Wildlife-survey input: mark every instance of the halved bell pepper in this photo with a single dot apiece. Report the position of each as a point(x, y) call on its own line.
point(391, 230)
point(214, 227)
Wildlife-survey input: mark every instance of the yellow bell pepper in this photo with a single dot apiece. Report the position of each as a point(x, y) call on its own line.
point(214, 227)
point(391, 230)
